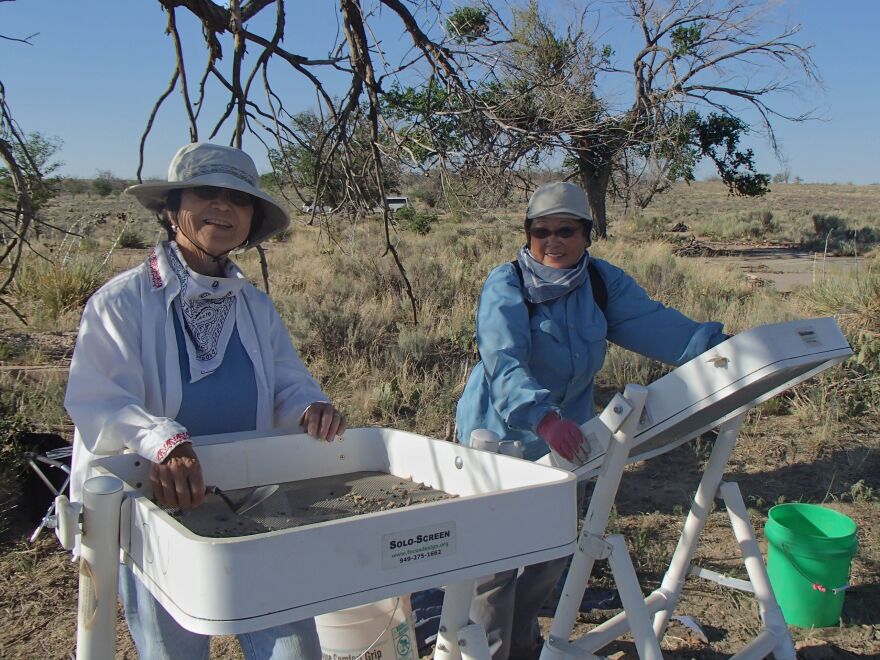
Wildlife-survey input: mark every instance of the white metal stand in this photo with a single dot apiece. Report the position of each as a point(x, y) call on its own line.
point(638, 611)
point(456, 639)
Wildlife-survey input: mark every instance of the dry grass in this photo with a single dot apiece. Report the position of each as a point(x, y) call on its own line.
point(345, 306)
point(783, 215)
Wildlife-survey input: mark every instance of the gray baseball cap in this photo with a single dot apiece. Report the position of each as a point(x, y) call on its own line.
point(559, 197)
point(208, 164)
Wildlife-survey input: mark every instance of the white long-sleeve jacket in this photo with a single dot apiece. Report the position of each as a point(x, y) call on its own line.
point(124, 389)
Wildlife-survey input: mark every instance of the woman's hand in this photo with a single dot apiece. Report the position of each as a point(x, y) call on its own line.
point(564, 436)
point(177, 481)
point(322, 421)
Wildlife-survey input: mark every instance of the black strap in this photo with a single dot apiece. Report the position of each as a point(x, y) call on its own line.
point(600, 291)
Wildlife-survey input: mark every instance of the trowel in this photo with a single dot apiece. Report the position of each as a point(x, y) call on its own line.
point(252, 499)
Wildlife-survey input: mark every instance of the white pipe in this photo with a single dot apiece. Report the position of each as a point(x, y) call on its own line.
point(723, 580)
point(453, 617)
point(595, 522)
point(760, 647)
point(633, 602)
point(98, 569)
point(609, 630)
point(472, 643)
point(673, 581)
point(771, 614)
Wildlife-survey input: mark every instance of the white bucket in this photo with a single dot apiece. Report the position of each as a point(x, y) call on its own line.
point(381, 630)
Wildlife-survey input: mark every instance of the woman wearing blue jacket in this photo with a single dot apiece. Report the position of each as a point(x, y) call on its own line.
point(541, 335)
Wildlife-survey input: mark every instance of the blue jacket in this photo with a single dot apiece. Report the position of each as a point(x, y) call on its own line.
point(532, 364)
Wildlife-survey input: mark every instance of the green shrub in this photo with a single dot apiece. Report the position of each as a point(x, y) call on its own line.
point(106, 183)
point(754, 223)
point(405, 215)
point(130, 238)
point(653, 226)
point(832, 234)
point(827, 224)
point(421, 223)
point(102, 187)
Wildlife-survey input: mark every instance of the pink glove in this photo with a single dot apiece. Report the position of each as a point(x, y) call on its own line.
point(563, 435)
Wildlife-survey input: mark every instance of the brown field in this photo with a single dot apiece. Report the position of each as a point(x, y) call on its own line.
point(756, 261)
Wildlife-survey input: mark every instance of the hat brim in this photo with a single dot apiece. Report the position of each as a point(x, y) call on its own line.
point(152, 195)
point(559, 210)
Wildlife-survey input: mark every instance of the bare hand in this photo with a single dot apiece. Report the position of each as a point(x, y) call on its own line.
point(177, 481)
point(323, 421)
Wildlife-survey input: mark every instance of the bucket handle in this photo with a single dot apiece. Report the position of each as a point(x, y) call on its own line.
point(815, 585)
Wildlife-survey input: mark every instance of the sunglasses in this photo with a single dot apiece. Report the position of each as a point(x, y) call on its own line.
point(235, 197)
point(562, 232)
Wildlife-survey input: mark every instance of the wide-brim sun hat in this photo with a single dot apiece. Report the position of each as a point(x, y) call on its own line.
point(558, 198)
point(208, 164)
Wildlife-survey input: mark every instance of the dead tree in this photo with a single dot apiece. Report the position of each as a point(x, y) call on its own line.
point(21, 188)
point(539, 91)
point(255, 107)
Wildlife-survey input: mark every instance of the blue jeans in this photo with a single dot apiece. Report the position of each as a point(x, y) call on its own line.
point(159, 637)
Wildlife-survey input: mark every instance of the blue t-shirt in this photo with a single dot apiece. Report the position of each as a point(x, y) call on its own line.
point(226, 400)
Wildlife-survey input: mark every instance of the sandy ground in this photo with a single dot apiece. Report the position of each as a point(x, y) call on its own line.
point(785, 269)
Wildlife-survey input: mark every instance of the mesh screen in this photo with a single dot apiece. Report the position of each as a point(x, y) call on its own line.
point(306, 502)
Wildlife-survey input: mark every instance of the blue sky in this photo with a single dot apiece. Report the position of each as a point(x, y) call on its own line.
point(96, 68)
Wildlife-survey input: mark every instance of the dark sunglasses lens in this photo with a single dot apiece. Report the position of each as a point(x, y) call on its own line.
point(240, 198)
point(235, 197)
point(206, 192)
point(564, 232)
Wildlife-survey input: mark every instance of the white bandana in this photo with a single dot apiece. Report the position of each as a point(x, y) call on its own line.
point(206, 307)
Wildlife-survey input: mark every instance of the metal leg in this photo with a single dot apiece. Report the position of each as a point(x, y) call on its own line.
point(636, 617)
point(591, 545)
point(472, 643)
point(608, 631)
point(32, 457)
point(453, 618)
point(632, 599)
point(673, 581)
point(771, 614)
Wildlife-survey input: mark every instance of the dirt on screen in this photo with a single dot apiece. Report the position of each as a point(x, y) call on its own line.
point(307, 502)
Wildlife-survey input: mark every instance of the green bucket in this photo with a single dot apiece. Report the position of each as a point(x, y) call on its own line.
point(808, 560)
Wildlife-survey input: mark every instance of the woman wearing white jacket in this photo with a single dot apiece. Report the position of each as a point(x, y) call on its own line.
point(181, 346)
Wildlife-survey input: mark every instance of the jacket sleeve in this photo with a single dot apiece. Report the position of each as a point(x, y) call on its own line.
point(295, 388)
point(640, 324)
point(505, 341)
point(106, 390)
